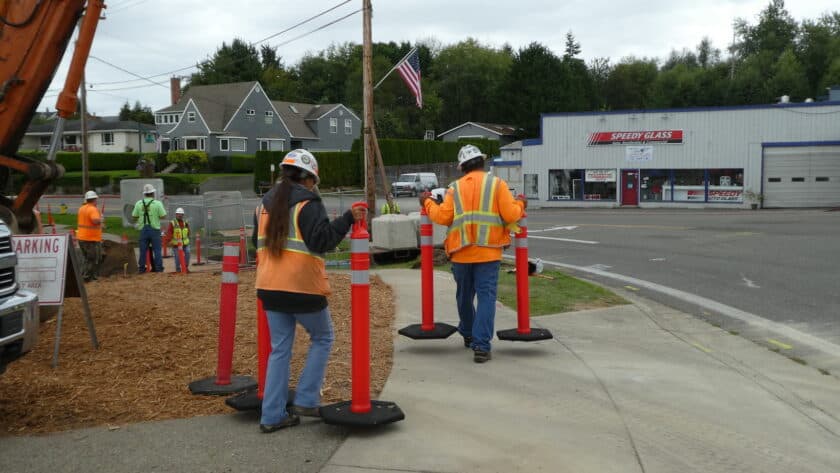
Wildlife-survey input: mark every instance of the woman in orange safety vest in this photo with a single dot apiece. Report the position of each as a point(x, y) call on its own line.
point(292, 232)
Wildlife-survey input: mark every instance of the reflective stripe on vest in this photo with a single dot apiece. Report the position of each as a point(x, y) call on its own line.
point(483, 217)
point(294, 240)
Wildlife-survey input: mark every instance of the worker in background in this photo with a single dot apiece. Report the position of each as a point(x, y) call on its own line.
point(391, 206)
point(178, 234)
point(89, 234)
point(477, 207)
point(148, 211)
point(292, 233)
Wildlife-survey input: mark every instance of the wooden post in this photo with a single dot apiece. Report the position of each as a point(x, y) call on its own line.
point(367, 88)
point(85, 160)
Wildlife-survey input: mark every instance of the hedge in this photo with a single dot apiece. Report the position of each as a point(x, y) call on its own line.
point(72, 161)
point(403, 152)
point(189, 158)
point(336, 169)
point(218, 163)
point(242, 163)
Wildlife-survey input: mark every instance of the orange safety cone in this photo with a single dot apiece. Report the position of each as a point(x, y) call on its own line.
point(182, 259)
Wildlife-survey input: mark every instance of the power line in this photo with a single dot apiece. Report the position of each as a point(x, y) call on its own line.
point(319, 28)
point(127, 71)
point(205, 62)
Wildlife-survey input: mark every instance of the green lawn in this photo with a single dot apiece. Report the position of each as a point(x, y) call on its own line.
point(563, 293)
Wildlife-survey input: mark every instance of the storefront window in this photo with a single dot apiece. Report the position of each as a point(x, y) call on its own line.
point(565, 184)
point(726, 185)
point(655, 184)
point(689, 185)
point(600, 184)
point(531, 187)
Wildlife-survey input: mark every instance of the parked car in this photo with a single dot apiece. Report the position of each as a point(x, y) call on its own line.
point(413, 183)
point(19, 314)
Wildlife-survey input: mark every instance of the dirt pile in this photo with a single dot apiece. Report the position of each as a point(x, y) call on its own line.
point(158, 332)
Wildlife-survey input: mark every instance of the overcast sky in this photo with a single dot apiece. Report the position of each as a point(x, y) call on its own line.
point(149, 37)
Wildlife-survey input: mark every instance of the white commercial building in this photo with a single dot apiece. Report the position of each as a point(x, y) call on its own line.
point(782, 155)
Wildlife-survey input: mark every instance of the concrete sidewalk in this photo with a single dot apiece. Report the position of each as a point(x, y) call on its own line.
point(635, 388)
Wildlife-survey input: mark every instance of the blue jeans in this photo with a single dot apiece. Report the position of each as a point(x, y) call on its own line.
point(150, 236)
point(476, 279)
point(308, 391)
point(178, 260)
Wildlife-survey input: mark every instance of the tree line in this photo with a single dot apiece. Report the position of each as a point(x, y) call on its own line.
point(470, 81)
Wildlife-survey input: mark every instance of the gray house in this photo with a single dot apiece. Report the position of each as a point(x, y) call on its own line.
point(239, 118)
point(505, 134)
point(104, 135)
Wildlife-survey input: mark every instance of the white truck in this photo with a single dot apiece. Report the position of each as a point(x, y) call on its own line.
point(19, 316)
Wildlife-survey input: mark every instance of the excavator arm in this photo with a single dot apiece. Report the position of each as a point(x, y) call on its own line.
point(33, 37)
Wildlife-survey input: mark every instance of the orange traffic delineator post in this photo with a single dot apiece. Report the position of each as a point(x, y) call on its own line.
point(198, 261)
point(225, 383)
point(182, 259)
point(523, 332)
point(428, 329)
point(50, 220)
point(149, 259)
point(251, 400)
point(124, 239)
point(166, 242)
point(360, 411)
point(243, 247)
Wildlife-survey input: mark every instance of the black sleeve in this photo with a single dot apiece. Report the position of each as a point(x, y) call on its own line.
point(256, 229)
point(319, 234)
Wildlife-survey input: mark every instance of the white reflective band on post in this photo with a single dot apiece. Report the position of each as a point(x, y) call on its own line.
point(231, 250)
point(523, 222)
point(359, 277)
point(359, 245)
point(425, 220)
point(521, 242)
point(230, 277)
point(425, 240)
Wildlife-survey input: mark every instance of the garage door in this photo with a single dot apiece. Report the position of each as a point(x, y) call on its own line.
point(806, 176)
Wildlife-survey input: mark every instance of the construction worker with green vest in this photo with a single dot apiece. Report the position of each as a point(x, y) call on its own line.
point(178, 234)
point(390, 206)
point(477, 208)
point(292, 233)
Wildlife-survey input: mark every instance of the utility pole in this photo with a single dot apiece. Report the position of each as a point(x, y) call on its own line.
point(85, 162)
point(367, 87)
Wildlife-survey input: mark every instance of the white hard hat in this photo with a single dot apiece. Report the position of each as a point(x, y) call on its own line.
point(91, 195)
point(300, 158)
point(179, 211)
point(468, 153)
point(148, 189)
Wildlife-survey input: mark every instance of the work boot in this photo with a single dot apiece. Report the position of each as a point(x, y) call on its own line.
point(467, 342)
point(289, 421)
point(481, 356)
point(306, 411)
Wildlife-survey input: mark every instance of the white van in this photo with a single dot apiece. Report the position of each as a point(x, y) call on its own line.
point(413, 183)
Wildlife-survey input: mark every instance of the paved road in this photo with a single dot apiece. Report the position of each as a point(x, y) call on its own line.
point(781, 265)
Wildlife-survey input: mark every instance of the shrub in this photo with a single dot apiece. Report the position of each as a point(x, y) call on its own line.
point(191, 159)
point(242, 163)
point(218, 163)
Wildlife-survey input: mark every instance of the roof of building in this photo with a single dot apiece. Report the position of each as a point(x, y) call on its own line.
point(217, 103)
point(296, 114)
point(501, 130)
point(94, 125)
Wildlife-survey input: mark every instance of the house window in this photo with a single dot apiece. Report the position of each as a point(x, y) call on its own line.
point(531, 186)
point(191, 143)
point(224, 144)
point(157, 119)
point(238, 144)
point(45, 142)
point(269, 117)
point(348, 126)
point(107, 138)
point(269, 113)
point(264, 145)
point(190, 118)
point(333, 125)
point(565, 184)
point(250, 112)
point(177, 118)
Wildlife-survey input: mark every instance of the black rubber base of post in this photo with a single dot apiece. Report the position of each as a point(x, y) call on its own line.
point(249, 401)
point(416, 331)
point(208, 386)
point(534, 335)
point(381, 413)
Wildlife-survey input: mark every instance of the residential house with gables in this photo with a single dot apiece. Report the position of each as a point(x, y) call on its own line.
point(238, 118)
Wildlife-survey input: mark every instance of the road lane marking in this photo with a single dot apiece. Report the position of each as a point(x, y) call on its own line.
point(570, 240)
point(657, 259)
point(632, 288)
point(750, 283)
point(572, 227)
point(787, 332)
point(701, 347)
point(783, 346)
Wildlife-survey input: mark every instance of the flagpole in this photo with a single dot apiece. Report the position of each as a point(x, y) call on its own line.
point(394, 68)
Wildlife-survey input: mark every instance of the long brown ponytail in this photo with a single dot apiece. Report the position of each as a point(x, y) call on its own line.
point(277, 229)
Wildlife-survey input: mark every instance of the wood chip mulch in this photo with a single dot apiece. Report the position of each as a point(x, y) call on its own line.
point(158, 333)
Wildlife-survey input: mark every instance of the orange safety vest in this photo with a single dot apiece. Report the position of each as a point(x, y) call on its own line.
point(296, 269)
point(88, 231)
point(476, 220)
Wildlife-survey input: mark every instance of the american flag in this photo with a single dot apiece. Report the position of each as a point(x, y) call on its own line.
point(409, 69)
